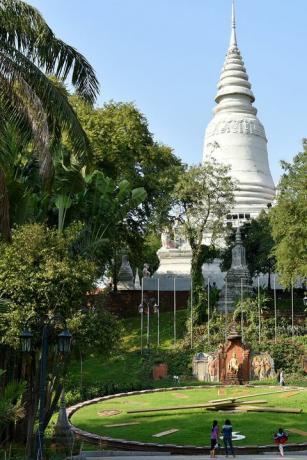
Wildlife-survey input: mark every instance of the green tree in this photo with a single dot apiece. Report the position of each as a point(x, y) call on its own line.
point(125, 149)
point(289, 221)
point(40, 279)
point(32, 102)
point(202, 197)
point(258, 241)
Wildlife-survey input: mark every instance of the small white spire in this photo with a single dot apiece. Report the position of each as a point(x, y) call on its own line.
point(233, 36)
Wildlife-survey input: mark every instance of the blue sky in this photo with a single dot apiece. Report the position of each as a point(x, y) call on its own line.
point(166, 56)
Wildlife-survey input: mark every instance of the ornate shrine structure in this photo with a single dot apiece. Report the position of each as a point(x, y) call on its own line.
point(237, 280)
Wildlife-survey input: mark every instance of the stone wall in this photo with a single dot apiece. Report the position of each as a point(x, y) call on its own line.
point(125, 303)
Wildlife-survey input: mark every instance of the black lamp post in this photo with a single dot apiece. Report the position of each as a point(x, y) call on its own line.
point(26, 341)
point(64, 341)
point(305, 299)
point(63, 347)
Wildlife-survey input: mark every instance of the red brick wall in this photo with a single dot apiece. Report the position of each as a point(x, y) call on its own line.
point(125, 303)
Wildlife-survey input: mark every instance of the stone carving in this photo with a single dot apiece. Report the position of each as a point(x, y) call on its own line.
point(233, 360)
point(243, 126)
point(146, 272)
point(238, 276)
point(213, 368)
point(166, 240)
point(125, 275)
point(233, 365)
point(262, 367)
point(205, 367)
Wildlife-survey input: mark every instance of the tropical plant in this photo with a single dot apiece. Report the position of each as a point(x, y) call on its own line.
point(11, 406)
point(31, 102)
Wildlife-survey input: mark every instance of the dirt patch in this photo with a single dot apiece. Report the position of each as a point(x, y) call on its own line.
point(288, 395)
point(297, 431)
point(109, 413)
point(180, 396)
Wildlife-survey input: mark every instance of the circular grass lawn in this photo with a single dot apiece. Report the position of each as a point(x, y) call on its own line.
point(194, 425)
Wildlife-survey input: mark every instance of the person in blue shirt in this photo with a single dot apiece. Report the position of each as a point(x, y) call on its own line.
point(227, 437)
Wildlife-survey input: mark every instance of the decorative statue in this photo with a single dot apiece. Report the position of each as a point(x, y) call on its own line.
point(263, 366)
point(233, 365)
point(213, 368)
point(167, 242)
point(146, 272)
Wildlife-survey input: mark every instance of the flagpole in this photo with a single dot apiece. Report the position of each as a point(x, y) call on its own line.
point(191, 313)
point(174, 311)
point(208, 311)
point(275, 308)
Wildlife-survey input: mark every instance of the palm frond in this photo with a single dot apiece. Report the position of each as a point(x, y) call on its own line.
point(23, 27)
point(15, 66)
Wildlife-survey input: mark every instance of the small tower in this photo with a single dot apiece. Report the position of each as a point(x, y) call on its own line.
point(237, 278)
point(125, 275)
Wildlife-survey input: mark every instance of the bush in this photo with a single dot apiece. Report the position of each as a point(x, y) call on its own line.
point(287, 355)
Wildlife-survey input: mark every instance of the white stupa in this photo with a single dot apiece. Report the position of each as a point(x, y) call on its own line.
point(236, 137)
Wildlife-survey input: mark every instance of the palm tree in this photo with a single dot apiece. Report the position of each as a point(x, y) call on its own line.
point(30, 100)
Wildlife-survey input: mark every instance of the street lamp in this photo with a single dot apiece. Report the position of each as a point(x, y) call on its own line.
point(63, 347)
point(141, 311)
point(156, 309)
point(64, 341)
point(145, 307)
point(26, 341)
point(305, 299)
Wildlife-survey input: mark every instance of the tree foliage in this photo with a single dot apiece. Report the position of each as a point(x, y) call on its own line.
point(202, 197)
point(258, 241)
point(30, 101)
point(124, 148)
point(40, 280)
point(289, 221)
point(11, 406)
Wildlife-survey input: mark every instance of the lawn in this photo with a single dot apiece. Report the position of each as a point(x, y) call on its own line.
point(125, 367)
point(194, 424)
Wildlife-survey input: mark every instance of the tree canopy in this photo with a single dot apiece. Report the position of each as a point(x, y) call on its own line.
point(31, 102)
point(289, 220)
point(203, 196)
point(258, 241)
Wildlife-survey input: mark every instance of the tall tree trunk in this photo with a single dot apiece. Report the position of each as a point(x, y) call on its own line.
point(198, 286)
point(5, 228)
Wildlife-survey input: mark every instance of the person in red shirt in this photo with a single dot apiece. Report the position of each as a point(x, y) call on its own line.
point(280, 439)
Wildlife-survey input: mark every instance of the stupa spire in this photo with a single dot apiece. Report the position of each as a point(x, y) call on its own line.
point(234, 89)
point(233, 36)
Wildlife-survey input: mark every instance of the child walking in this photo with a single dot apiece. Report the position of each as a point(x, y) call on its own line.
point(214, 438)
point(281, 438)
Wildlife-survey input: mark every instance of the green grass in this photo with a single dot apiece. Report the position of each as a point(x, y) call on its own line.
point(124, 368)
point(193, 424)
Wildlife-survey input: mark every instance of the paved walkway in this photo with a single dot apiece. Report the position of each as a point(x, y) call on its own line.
point(270, 456)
